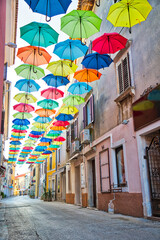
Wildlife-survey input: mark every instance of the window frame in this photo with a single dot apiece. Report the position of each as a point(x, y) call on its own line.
point(92, 112)
point(100, 169)
point(50, 163)
point(117, 166)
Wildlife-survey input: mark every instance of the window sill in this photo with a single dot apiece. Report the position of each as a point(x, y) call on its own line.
point(128, 92)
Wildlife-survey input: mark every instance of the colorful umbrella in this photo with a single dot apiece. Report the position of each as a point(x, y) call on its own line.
point(80, 24)
point(43, 139)
point(128, 13)
point(62, 68)
point(18, 134)
point(25, 98)
point(44, 144)
point(34, 55)
point(58, 128)
point(20, 127)
point(28, 148)
point(19, 131)
point(79, 88)
point(37, 132)
point(22, 115)
point(22, 107)
point(70, 49)
point(61, 123)
point(64, 117)
point(47, 153)
point(68, 110)
point(87, 75)
point(40, 125)
point(34, 136)
point(21, 122)
point(72, 100)
point(48, 104)
point(55, 81)
point(45, 112)
point(42, 119)
point(39, 34)
point(15, 143)
point(54, 146)
point(49, 8)
point(27, 85)
point(38, 129)
point(29, 71)
point(52, 93)
point(96, 61)
point(109, 43)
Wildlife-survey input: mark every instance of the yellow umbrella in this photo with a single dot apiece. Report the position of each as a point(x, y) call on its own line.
point(62, 68)
point(68, 110)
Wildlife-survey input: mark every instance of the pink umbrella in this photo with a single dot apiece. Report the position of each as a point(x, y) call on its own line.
point(109, 43)
point(23, 107)
point(59, 139)
point(61, 123)
point(19, 131)
point(52, 93)
point(28, 148)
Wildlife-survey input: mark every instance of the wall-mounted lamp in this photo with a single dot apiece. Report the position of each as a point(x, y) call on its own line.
point(11, 45)
point(125, 122)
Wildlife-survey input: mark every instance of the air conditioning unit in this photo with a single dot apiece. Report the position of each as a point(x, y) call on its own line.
point(85, 136)
point(75, 147)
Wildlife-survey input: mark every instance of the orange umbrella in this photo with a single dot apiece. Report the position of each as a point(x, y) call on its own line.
point(87, 75)
point(45, 112)
point(34, 55)
point(44, 144)
point(58, 128)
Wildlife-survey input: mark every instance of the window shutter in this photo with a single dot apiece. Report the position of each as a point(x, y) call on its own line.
point(92, 108)
point(72, 132)
point(2, 121)
point(120, 78)
point(126, 72)
point(105, 171)
point(84, 117)
point(76, 129)
point(67, 140)
point(5, 71)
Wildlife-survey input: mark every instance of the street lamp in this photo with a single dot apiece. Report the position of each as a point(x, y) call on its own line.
point(11, 45)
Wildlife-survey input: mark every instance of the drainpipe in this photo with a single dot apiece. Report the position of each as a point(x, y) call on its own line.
point(56, 180)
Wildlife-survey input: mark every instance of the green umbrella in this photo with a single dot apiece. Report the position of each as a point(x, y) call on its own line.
point(22, 115)
point(73, 100)
point(38, 129)
point(48, 104)
point(80, 24)
point(25, 98)
point(20, 127)
point(52, 135)
point(54, 146)
point(29, 71)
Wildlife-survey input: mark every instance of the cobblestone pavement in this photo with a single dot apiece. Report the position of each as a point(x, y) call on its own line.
point(22, 218)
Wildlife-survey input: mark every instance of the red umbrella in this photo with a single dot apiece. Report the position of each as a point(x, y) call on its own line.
point(109, 43)
point(59, 139)
point(61, 123)
point(28, 148)
point(23, 107)
point(19, 131)
point(52, 93)
point(14, 150)
point(34, 136)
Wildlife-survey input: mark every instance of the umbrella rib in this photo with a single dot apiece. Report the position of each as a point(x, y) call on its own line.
point(138, 11)
point(119, 15)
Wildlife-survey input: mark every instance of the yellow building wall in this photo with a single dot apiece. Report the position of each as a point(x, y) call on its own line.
point(50, 171)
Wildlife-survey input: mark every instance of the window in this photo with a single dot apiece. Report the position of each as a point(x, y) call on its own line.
point(69, 180)
point(67, 140)
point(88, 112)
point(50, 162)
point(74, 130)
point(58, 156)
point(121, 177)
point(105, 171)
point(34, 172)
point(123, 71)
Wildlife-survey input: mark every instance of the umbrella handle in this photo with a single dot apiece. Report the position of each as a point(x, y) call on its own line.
point(49, 19)
point(98, 3)
point(40, 54)
point(35, 71)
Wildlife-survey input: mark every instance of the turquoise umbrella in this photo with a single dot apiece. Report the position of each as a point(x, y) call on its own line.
point(27, 85)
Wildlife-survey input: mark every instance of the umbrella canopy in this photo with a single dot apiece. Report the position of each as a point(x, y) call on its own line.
point(44, 143)
point(55, 81)
point(43, 139)
point(25, 98)
point(18, 134)
point(19, 131)
point(48, 104)
point(38, 129)
point(52, 135)
point(28, 148)
point(87, 75)
point(27, 85)
point(62, 67)
point(54, 146)
point(36, 132)
point(64, 117)
point(21, 122)
point(45, 112)
point(58, 128)
point(72, 100)
point(40, 125)
point(34, 136)
point(80, 24)
point(22, 115)
point(54, 132)
point(52, 93)
point(42, 119)
point(79, 88)
point(30, 71)
point(34, 55)
point(15, 143)
point(109, 43)
point(49, 8)
point(61, 123)
point(39, 34)
point(68, 110)
point(20, 127)
point(128, 13)
point(47, 152)
point(41, 148)
point(96, 61)
point(70, 49)
point(23, 107)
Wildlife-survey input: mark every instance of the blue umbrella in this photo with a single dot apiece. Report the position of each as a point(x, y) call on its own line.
point(54, 132)
point(19, 127)
point(55, 81)
point(42, 119)
point(36, 133)
point(15, 143)
point(64, 117)
point(27, 85)
point(21, 122)
point(43, 139)
point(70, 49)
point(79, 88)
point(48, 152)
point(49, 8)
point(40, 148)
point(19, 137)
point(96, 61)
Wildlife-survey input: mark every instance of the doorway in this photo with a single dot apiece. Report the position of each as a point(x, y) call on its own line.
point(64, 187)
point(92, 193)
point(77, 186)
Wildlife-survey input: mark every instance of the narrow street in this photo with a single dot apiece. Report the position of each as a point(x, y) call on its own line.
point(26, 219)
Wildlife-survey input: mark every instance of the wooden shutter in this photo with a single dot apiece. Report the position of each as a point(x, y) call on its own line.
point(120, 78)
point(67, 140)
point(72, 132)
point(84, 117)
point(105, 171)
point(126, 72)
point(76, 128)
point(5, 71)
point(2, 121)
point(92, 108)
